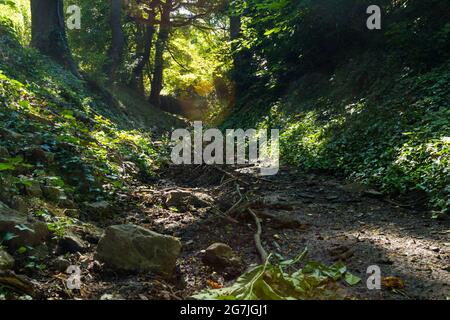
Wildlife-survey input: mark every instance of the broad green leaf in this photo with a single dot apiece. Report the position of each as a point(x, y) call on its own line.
point(351, 279)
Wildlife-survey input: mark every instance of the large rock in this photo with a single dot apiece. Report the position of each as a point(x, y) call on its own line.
point(26, 232)
point(136, 249)
point(6, 261)
point(182, 199)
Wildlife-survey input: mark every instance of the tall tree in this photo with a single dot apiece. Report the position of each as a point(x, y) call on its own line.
point(48, 32)
point(118, 38)
point(145, 40)
point(184, 13)
point(144, 12)
point(163, 36)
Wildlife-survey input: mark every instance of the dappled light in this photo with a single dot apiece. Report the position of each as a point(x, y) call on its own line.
point(224, 150)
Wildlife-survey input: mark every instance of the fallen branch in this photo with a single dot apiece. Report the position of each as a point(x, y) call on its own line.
point(262, 252)
point(17, 283)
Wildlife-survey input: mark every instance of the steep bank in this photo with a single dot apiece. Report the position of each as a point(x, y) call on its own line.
point(371, 120)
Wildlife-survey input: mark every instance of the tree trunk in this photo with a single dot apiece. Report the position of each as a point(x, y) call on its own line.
point(48, 32)
point(118, 38)
point(235, 27)
point(235, 35)
point(137, 77)
point(163, 36)
point(242, 59)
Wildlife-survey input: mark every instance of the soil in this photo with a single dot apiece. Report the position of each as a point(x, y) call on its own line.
point(338, 221)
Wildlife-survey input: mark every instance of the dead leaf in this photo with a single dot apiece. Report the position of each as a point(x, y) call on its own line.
point(392, 283)
point(214, 285)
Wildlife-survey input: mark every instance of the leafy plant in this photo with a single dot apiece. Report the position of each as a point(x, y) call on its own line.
point(281, 279)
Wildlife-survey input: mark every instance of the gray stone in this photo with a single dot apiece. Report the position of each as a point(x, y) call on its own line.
point(100, 210)
point(220, 256)
point(182, 199)
point(71, 243)
point(27, 232)
point(61, 264)
point(136, 249)
point(6, 261)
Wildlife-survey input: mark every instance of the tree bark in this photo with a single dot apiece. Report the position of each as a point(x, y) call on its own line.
point(235, 35)
point(118, 38)
point(137, 76)
point(163, 36)
point(48, 32)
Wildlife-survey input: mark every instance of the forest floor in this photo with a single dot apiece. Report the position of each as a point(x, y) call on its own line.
point(334, 219)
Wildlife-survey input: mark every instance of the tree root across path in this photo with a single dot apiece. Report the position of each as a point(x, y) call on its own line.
point(262, 252)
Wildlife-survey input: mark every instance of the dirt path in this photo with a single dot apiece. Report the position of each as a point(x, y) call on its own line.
point(333, 219)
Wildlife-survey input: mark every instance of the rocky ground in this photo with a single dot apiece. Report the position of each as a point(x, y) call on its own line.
point(195, 233)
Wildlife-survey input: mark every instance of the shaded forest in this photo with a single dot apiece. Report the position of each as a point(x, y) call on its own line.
point(94, 207)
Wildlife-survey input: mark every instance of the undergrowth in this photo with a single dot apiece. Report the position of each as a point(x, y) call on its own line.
point(390, 129)
point(58, 133)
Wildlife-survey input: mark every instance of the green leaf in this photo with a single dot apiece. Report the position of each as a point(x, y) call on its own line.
point(9, 236)
point(23, 227)
point(351, 279)
point(6, 166)
point(22, 250)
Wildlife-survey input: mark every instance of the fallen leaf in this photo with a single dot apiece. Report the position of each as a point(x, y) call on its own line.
point(391, 283)
point(214, 285)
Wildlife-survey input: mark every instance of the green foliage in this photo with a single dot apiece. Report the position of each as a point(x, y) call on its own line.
point(282, 279)
point(372, 105)
point(395, 135)
point(90, 45)
point(84, 140)
point(15, 19)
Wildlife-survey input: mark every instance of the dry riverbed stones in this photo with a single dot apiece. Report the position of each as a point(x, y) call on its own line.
point(135, 249)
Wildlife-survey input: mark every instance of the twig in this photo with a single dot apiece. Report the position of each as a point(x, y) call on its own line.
point(398, 204)
point(225, 183)
point(236, 205)
point(231, 175)
point(224, 215)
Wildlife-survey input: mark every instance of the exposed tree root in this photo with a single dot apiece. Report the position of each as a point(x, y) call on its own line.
point(262, 252)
